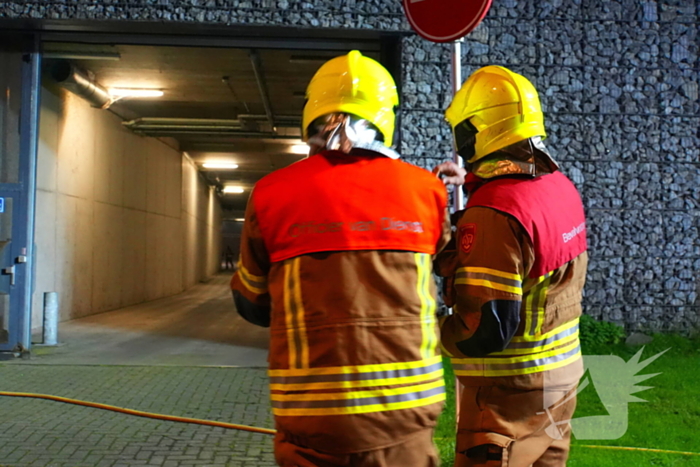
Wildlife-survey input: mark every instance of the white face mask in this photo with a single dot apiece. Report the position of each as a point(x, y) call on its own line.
point(344, 132)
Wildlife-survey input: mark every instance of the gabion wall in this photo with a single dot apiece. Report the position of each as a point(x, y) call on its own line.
point(618, 80)
point(619, 85)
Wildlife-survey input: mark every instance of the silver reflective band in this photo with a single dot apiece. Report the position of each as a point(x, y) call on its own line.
point(371, 400)
point(544, 342)
point(370, 375)
point(484, 368)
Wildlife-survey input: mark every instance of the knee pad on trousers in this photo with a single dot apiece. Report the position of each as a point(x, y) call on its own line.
point(482, 449)
point(482, 456)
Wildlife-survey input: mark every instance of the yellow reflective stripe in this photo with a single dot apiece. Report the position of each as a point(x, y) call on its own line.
point(391, 376)
point(250, 276)
point(564, 340)
point(490, 285)
point(256, 284)
point(361, 408)
point(252, 288)
point(553, 366)
point(288, 316)
point(358, 384)
point(375, 397)
point(527, 308)
point(493, 272)
point(538, 315)
point(519, 359)
point(533, 300)
point(549, 334)
point(301, 321)
point(522, 371)
point(419, 287)
point(353, 369)
point(427, 314)
point(429, 333)
point(357, 394)
point(294, 315)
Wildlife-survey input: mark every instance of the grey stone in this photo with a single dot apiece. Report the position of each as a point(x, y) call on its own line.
point(637, 338)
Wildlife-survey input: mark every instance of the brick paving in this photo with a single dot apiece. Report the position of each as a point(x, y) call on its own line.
point(41, 433)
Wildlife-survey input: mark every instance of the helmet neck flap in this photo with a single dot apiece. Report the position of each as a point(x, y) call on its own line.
point(527, 157)
point(344, 132)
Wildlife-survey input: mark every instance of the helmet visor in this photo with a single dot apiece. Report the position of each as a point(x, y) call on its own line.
point(465, 139)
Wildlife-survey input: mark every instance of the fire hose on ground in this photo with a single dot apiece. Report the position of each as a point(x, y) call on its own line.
point(255, 429)
point(138, 413)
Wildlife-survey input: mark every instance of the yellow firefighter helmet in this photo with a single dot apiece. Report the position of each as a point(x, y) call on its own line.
point(494, 109)
point(356, 85)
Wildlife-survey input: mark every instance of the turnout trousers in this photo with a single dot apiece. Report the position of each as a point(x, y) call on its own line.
point(416, 451)
point(508, 427)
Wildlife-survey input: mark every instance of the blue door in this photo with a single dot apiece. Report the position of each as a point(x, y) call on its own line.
point(19, 100)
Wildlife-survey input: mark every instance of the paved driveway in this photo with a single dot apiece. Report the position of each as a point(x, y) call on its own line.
point(44, 433)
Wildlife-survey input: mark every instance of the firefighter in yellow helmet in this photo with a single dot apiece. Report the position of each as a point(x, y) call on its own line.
point(517, 271)
point(336, 258)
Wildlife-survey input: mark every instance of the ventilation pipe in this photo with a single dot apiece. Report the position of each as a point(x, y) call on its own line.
point(244, 126)
point(81, 83)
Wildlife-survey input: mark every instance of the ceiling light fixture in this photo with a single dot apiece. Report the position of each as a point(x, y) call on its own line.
point(302, 149)
point(125, 92)
point(239, 219)
point(75, 55)
point(220, 165)
point(233, 189)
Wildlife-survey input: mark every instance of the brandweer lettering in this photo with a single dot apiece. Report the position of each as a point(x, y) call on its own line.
point(386, 223)
point(305, 228)
point(326, 227)
point(568, 236)
point(389, 223)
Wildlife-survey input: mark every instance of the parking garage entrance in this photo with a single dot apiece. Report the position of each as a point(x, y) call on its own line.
point(135, 152)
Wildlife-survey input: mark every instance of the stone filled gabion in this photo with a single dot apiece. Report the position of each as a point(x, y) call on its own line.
point(618, 80)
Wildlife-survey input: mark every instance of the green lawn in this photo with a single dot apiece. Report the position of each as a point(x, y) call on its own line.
point(670, 420)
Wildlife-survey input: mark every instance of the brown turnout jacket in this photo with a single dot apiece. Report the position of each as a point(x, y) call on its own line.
point(354, 361)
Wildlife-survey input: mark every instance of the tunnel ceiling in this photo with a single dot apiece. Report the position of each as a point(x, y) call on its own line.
point(219, 104)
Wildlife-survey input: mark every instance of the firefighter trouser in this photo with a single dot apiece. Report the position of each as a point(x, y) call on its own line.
point(506, 427)
point(416, 451)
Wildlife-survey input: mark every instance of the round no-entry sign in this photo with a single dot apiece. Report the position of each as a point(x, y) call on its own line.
point(445, 20)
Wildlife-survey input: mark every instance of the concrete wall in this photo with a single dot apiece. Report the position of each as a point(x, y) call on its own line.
point(618, 81)
point(121, 219)
point(201, 226)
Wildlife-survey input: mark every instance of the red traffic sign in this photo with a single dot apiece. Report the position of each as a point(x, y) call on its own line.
point(445, 20)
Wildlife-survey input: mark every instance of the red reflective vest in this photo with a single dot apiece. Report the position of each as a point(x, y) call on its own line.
point(550, 210)
point(336, 202)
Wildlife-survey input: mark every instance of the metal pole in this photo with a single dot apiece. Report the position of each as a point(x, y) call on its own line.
point(50, 318)
point(458, 194)
point(456, 81)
